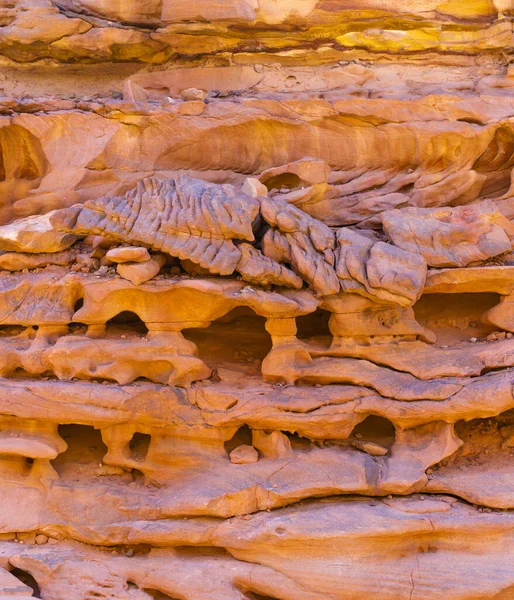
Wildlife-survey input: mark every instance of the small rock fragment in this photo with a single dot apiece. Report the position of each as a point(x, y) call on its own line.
point(193, 94)
point(138, 273)
point(41, 539)
point(244, 455)
point(133, 92)
point(191, 108)
point(125, 254)
point(230, 375)
point(254, 188)
point(193, 269)
point(371, 448)
point(496, 335)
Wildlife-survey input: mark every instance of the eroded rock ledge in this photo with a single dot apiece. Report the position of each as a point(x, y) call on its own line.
point(256, 300)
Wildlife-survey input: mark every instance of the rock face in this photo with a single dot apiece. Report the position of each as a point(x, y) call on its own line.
point(34, 235)
point(451, 237)
point(256, 300)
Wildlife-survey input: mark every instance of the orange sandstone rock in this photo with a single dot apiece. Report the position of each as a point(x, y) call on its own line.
point(256, 299)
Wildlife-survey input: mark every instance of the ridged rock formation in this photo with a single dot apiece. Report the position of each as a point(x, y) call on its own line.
point(257, 300)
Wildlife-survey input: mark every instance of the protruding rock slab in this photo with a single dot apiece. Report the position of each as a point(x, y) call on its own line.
point(183, 217)
point(34, 235)
point(451, 237)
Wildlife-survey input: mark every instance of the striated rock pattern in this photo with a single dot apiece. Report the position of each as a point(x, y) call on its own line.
point(256, 300)
point(184, 217)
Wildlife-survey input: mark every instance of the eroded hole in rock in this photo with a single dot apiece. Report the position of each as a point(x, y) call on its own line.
point(21, 373)
point(299, 443)
point(406, 189)
point(15, 467)
point(314, 325)
point(139, 476)
point(255, 596)
point(125, 323)
point(471, 121)
point(243, 436)
point(486, 442)
point(11, 330)
point(84, 454)
point(284, 180)
point(497, 162)
point(23, 164)
point(139, 550)
point(139, 445)
point(377, 430)
point(28, 580)
point(237, 340)
point(77, 328)
point(78, 304)
point(157, 595)
point(455, 318)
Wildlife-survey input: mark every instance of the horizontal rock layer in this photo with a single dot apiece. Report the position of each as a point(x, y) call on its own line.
point(256, 300)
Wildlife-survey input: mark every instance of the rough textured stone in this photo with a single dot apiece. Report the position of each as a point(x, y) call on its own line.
point(244, 455)
point(34, 235)
point(370, 267)
point(257, 318)
point(451, 237)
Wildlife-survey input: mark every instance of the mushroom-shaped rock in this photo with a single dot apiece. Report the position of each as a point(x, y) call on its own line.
point(31, 445)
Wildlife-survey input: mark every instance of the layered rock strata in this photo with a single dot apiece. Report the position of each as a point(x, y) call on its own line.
point(256, 300)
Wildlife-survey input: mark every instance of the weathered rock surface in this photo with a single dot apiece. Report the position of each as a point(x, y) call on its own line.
point(375, 269)
point(34, 235)
point(451, 237)
point(140, 271)
point(256, 300)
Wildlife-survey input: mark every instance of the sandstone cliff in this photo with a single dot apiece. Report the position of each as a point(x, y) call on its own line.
point(257, 299)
